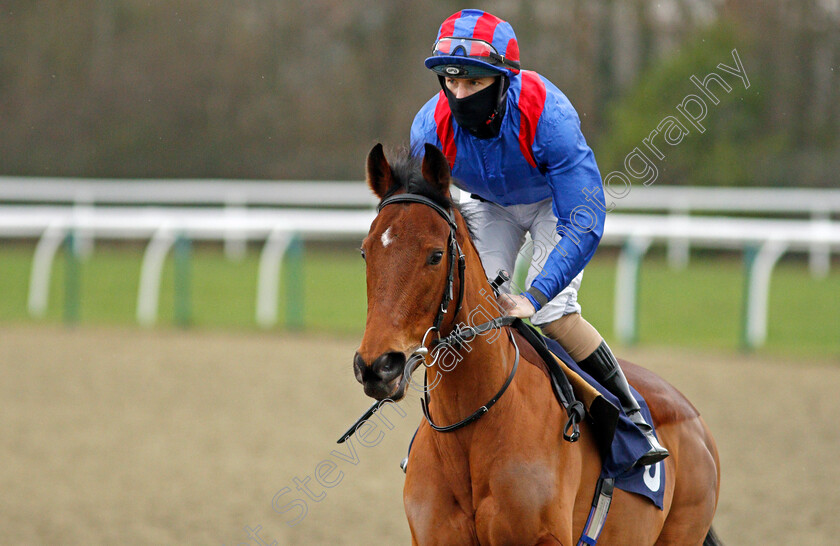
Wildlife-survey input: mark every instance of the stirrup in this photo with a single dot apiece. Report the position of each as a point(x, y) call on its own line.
point(404, 464)
point(657, 451)
point(653, 456)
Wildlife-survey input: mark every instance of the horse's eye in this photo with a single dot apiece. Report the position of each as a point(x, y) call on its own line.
point(435, 257)
point(362, 250)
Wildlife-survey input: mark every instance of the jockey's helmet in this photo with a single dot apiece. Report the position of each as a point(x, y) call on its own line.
point(474, 44)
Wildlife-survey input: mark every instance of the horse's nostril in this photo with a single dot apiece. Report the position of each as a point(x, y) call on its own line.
point(359, 367)
point(383, 370)
point(389, 365)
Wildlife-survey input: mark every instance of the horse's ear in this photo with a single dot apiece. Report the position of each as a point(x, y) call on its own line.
point(436, 169)
point(379, 175)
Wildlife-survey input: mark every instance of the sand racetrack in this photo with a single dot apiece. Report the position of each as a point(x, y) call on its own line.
point(124, 436)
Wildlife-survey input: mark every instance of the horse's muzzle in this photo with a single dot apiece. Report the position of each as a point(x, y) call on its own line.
point(383, 378)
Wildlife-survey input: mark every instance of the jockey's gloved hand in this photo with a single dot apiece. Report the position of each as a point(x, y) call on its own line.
point(515, 305)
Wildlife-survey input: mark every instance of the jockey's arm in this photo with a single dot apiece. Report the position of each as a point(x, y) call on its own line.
point(578, 200)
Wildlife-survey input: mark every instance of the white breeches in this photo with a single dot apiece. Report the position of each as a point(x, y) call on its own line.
point(499, 235)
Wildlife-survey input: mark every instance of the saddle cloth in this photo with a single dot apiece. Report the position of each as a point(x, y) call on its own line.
point(621, 442)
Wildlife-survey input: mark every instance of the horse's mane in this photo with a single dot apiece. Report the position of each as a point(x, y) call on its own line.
point(408, 176)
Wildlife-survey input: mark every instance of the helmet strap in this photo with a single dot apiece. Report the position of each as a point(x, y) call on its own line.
point(500, 100)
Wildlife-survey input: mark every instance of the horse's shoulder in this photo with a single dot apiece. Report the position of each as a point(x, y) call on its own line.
point(529, 353)
point(666, 403)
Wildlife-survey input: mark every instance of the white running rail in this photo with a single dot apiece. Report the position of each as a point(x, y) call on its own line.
point(634, 232)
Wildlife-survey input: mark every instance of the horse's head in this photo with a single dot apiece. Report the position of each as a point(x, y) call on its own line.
point(409, 254)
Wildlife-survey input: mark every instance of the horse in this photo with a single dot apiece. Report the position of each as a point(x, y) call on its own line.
point(506, 478)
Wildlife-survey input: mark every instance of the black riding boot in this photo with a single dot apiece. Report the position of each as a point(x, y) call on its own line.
point(603, 366)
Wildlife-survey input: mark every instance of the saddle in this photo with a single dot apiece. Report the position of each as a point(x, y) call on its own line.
point(618, 439)
point(569, 387)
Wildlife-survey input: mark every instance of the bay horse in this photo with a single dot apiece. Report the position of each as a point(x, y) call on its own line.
point(507, 478)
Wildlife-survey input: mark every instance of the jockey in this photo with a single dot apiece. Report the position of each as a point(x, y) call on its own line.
point(514, 144)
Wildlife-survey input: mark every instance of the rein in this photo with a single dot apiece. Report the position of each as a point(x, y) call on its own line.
point(477, 414)
point(464, 334)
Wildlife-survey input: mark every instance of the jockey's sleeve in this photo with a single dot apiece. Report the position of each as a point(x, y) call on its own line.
point(569, 166)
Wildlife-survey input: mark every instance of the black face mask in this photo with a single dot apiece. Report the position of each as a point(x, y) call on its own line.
point(481, 113)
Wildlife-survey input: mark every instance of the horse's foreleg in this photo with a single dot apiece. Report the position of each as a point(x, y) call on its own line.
point(434, 514)
point(438, 522)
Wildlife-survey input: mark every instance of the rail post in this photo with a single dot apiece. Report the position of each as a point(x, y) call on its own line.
point(294, 283)
point(39, 278)
point(150, 272)
point(269, 276)
point(627, 288)
point(182, 252)
point(759, 263)
point(71, 278)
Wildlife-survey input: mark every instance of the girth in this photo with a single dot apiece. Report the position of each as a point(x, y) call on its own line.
point(559, 382)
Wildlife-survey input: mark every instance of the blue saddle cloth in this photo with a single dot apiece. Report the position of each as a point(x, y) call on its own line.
point(627, 443)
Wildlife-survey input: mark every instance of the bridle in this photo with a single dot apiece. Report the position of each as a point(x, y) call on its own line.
point(464, 334)
point(454, 254)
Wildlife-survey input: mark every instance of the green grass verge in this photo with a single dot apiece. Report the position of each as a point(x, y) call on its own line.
point(702, 305)
point(222, 292)
point(695, 307)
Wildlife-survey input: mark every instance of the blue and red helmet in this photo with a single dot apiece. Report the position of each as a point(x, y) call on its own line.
point(474, 43)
